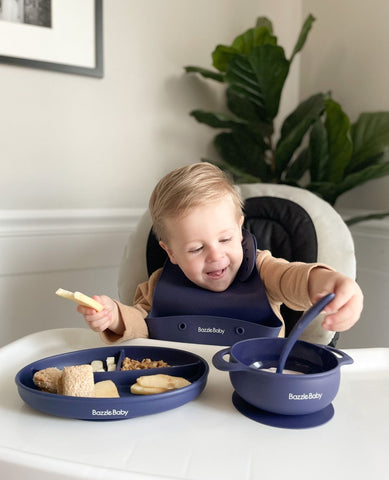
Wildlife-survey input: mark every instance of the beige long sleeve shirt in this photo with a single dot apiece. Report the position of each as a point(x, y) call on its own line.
point(285, 282)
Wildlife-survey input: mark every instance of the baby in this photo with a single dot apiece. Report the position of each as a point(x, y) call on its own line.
point(197, 218)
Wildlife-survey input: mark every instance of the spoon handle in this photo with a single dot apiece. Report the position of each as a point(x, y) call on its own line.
point(297, 330)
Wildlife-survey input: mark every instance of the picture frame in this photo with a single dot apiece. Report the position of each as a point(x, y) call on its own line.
point(72, 43)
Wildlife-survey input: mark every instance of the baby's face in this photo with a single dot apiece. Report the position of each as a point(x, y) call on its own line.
point(206, 244)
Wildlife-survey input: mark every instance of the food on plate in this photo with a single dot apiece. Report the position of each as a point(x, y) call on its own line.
point(165, 381)
point(47, 379)
point(77, 381)
point(111, 365)
point(97, 366)
point(106, 389)
point(80, 298)
point(137, 389)
point(159, 383)
point(131, 364)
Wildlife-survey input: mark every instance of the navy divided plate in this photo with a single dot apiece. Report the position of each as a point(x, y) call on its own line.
point(181, 364)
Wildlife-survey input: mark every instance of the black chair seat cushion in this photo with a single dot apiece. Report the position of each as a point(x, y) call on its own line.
point(283, 227)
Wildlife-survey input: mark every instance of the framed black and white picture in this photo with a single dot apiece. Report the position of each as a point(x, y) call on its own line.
point(60, 35)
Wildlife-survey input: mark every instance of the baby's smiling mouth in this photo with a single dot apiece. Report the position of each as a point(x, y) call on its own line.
point(215, 274)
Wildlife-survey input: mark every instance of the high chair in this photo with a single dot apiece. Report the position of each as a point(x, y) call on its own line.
point(291, 222)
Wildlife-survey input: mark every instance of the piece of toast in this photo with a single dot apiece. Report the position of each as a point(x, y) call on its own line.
point(47, 379)
point(77, 381)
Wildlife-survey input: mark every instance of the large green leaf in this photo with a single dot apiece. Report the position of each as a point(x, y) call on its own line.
point(243, 83)
point(259, 78)
point(243, 108)
point(370, 135)
point(299, 166)
point(264, 22)
point(330, 191)
point(340, 146)
point(271, 69)
point(244, 151)
point(303, 35)
point(222, 56)
point(295, 127)
point(243, 44)
point(205, 73)
point(217, 120)
point(318, 147)
point(358, 178)
point(253, 37)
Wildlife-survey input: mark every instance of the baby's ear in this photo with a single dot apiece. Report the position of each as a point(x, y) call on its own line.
point(168, 251)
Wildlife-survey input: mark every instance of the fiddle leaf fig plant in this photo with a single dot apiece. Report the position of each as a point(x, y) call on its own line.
point(317, 147)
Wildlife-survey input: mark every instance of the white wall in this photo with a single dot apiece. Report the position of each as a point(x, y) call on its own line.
point(78, 142)
point(80, 156)
point(372, 252)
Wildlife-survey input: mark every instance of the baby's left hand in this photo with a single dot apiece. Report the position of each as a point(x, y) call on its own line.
point(345, 309)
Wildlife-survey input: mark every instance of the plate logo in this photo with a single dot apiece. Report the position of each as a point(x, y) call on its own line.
point(110, 413)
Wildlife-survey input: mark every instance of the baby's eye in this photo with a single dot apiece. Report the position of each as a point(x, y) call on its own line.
point(226, 240)
point(196, 250)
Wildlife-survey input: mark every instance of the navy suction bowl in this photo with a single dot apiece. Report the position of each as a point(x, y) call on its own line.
point(283, 393)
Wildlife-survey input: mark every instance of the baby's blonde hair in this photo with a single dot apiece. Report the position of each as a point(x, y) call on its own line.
point(188, 187)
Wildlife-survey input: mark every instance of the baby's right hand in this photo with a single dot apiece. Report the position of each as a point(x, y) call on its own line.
point(100, 321)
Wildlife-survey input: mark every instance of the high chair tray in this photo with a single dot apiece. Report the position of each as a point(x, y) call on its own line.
point(181, 364)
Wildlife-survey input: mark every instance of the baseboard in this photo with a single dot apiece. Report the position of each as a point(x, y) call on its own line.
point(67, 221)
point(51, 240)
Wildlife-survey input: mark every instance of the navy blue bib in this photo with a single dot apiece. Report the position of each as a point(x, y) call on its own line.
point(182, 311)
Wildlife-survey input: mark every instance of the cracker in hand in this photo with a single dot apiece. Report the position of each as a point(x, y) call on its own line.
point(80, 298)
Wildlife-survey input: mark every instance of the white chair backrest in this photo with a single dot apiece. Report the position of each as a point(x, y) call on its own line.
point(335, 244)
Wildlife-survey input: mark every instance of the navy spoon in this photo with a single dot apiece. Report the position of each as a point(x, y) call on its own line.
point(300, 326)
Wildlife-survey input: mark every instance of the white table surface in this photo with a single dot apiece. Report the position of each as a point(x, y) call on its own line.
point(206, 439)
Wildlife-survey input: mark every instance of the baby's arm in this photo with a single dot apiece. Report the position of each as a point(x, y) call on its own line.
point(345, 309)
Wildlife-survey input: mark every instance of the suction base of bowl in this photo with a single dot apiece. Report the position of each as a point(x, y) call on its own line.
point(282, 421)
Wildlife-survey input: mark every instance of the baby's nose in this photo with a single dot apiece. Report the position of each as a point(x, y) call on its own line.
point(214, 253)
